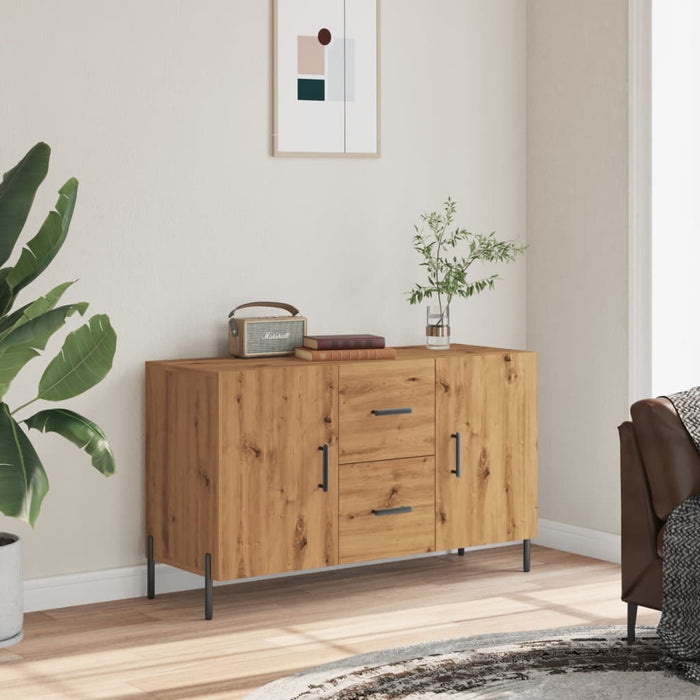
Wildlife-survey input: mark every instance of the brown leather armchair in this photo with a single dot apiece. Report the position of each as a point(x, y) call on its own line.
point(659, 469)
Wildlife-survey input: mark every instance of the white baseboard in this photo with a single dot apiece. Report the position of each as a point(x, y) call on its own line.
point(130, 581)
point(579, 540)
point(101, 586)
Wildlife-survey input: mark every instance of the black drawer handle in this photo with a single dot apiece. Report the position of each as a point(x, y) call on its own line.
point(391, 411)
point(393, 511)
point(458, 455)
point(324, 485)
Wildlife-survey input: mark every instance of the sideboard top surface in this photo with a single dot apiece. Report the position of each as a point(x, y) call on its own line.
point(227, 364)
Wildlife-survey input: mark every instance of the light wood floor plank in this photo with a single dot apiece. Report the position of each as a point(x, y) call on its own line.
point(163, 648)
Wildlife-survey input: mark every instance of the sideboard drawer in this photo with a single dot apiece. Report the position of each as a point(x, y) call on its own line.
point(387, 509)
point(387, 410)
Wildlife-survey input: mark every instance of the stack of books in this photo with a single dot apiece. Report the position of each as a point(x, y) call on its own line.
point(318, 348)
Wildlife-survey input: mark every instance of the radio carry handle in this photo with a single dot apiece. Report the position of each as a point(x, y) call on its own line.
point(274, 304)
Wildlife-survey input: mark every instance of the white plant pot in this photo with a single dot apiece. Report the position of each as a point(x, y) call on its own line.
point(11, 604)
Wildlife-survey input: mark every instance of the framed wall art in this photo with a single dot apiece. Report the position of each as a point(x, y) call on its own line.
point(326, 78)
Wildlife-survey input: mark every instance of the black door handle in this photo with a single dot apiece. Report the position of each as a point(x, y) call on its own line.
point(324, 485)
point(458, 457)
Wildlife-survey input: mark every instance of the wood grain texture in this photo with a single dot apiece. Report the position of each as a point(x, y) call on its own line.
point(366, 386)
point(234, 466)
point(218, 364)
point(273, 515)
point(369, 486)
point(182, 433)
point(492, 400)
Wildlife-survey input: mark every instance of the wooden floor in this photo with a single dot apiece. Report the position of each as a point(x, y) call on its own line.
point(163, 648)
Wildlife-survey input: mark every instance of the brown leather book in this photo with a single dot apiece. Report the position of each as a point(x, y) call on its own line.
point(356, 354)
point(342, 342)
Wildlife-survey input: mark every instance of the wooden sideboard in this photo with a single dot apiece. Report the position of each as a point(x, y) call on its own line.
point(263, 466)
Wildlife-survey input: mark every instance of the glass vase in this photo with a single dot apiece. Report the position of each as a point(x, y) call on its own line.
point(437, 328)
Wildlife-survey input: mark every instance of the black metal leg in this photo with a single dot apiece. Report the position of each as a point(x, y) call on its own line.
point(631, 621)
point(526, 555)
point(208, 589)
point(151, 569)
point(460, 551)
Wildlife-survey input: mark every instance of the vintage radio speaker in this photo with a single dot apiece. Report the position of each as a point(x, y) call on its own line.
point(267, 335)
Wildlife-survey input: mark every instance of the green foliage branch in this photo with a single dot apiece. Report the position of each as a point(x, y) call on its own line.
point(447, 266)
point(83, 361)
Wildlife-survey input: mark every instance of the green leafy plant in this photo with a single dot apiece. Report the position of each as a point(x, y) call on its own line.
point(83, 361)
point(446, 266)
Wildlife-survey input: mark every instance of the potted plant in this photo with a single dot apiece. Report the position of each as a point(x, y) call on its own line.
point(84, 360)
point(447, 266)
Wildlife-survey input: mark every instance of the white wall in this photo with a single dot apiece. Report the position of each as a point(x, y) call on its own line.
point(675, 188)
point(162, 109)
point(577, 263)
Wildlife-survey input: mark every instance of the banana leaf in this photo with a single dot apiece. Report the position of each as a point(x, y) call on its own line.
point(12, 362)
point(32, 310)
point(37, 331)
point(84, 360)
point(80, 431)
point(42, 249)
point(17, 191)
point(24, 342)
point(23, 481)
point(6, 296)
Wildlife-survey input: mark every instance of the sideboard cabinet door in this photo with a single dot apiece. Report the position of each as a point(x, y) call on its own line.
point(278, 510)
point(487, 404)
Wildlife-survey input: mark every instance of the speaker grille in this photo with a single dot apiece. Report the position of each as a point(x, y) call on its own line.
point(277, 336)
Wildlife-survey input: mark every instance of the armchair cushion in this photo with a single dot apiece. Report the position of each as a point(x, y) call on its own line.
point(671, 462)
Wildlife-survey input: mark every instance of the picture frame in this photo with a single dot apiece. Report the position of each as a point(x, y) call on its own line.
point(326, 78)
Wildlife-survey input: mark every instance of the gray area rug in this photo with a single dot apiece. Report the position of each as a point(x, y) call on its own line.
point(567, 664)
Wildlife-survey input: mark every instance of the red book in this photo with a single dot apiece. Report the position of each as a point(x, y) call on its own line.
point(343, 342)
point(346, 354)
